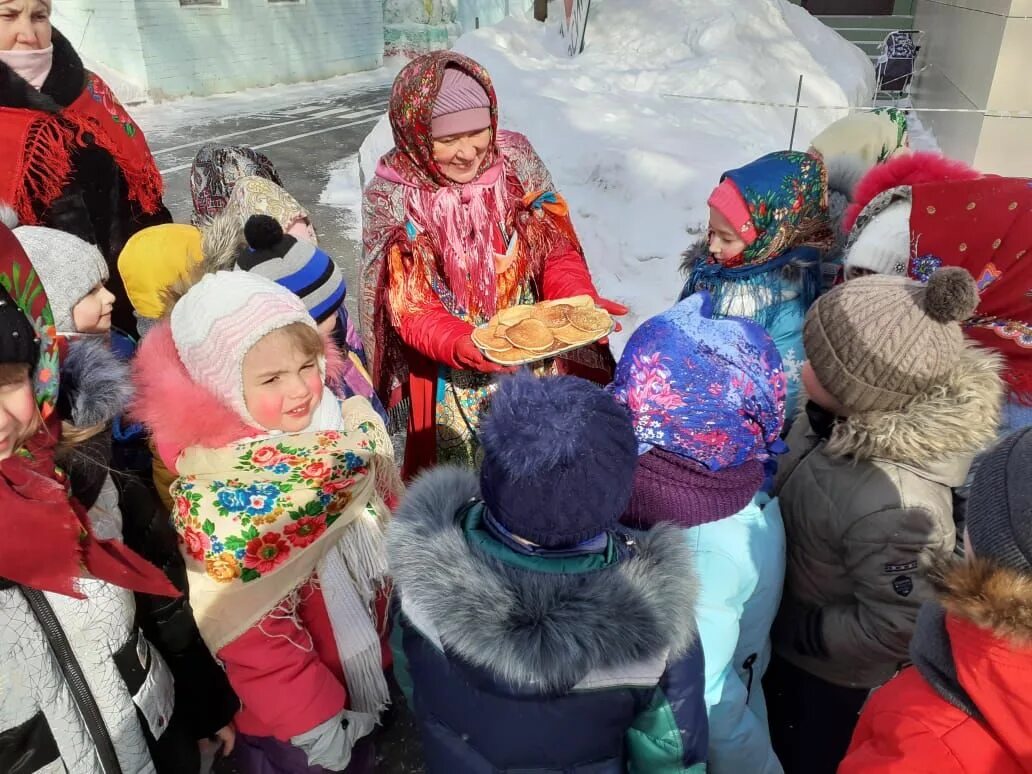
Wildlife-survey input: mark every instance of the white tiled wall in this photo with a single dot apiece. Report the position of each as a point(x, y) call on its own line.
point(978, 54)
point(177, 50)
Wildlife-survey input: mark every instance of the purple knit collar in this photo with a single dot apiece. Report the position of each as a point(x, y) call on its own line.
point(674, 489)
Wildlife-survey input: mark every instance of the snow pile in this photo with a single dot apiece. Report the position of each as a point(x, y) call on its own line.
point(634, 157)
point(344, 191)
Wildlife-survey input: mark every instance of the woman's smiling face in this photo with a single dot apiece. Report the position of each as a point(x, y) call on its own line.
point(460, 156)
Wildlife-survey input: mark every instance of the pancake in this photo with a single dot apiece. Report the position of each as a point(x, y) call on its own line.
point(554, 316)
point(513, 315)
point(487, 339)
point(570, 335)
point(590, 320)
point(513, 356)
point(531, 335)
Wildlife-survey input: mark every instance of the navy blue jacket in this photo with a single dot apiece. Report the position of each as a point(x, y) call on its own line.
point(582, 664)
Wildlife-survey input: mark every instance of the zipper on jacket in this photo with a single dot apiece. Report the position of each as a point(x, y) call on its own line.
point(748, 665)
point(75, 679)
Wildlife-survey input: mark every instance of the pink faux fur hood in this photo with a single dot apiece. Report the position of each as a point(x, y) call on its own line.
point(907, 169)
point(181, 413)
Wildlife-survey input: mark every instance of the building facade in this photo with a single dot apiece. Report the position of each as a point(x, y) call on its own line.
point(174, 48)
point(976, 56)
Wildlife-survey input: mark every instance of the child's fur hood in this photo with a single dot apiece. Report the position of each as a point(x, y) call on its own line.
point(988, 595)
point(95, 385)
point(181, 413)
point(535, 630)
point(957, 417)
point(908, 169)
point(221, 241)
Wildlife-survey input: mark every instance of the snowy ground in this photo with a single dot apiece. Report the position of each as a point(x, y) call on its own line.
point(631, 145)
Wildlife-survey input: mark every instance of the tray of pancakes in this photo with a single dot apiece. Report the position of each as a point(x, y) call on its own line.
point(531, 332)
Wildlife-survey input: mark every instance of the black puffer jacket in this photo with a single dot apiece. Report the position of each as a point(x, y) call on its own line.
point(95, 204)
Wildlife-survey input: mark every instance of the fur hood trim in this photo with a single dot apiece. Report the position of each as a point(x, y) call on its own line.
point(958, 417)
point(95, 385)
point(988, 595)
point(696, 252)
point(537, 630)
point(907, 169)
point(181, 413)
point(221, 241)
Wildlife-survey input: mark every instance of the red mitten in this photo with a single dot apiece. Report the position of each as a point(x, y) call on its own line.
point(468, 356)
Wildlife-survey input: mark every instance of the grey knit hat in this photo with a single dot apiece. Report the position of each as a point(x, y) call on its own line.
point(68, 267)
point(876, 342)
point(299, 266)
point(999, 512)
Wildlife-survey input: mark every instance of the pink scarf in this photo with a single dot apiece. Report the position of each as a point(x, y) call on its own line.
point(31, 66)
point(462, 222)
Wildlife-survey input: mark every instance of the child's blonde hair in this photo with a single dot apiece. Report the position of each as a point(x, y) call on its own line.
point(305, 338)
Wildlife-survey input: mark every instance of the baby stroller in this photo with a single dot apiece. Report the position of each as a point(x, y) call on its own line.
point(897, 63)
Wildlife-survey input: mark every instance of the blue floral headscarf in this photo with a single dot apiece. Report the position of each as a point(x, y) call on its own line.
point(786, 193)
point(711, 390)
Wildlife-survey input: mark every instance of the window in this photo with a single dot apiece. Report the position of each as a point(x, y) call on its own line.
point(192, 3)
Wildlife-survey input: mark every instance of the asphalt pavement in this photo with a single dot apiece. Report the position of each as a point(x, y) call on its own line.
point(304, 140)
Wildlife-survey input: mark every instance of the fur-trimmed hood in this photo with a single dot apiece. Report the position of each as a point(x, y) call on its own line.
point(955, 419)
point(529, 629)
point(181, 413)
point(906, 170)
point(221, 241)
point(95, 384)
point(991, 596)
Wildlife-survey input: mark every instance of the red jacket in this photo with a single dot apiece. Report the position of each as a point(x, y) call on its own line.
point(907, 727)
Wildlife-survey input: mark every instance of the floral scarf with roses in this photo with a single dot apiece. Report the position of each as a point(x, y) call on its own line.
point(258, 517)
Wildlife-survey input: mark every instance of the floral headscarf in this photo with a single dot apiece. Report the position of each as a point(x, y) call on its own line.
point(411, 109)
point(253, 195)
point(48, 538)
point(19, 279)
point(787, 196)
point(710, 390)
point(216, 170)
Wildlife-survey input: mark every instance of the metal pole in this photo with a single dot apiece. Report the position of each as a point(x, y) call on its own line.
point(795, 114)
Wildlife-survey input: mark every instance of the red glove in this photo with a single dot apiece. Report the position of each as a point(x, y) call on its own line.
point(469, 357)
point(615, 309)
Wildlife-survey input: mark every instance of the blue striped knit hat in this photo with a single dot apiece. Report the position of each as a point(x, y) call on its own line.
point(299, 266)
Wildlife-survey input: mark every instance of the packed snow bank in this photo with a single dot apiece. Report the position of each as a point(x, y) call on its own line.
point(632, 154)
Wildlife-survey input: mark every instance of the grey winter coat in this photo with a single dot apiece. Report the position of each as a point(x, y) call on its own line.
point(865, 509)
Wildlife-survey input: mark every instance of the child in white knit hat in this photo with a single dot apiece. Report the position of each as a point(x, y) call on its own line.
point(280, 501)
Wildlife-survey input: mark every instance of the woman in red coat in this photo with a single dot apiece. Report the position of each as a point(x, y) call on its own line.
point(71, 157)
point(964, 707)
point(461, 220)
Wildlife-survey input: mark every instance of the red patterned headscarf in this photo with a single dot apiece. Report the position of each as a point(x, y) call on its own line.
point(411, 112)
point(48, 539)
point(984, 226)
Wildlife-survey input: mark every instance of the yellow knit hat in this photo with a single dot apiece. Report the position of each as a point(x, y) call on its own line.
point(155, 258)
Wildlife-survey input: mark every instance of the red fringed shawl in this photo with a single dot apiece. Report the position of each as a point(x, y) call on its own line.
point(36, 149)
